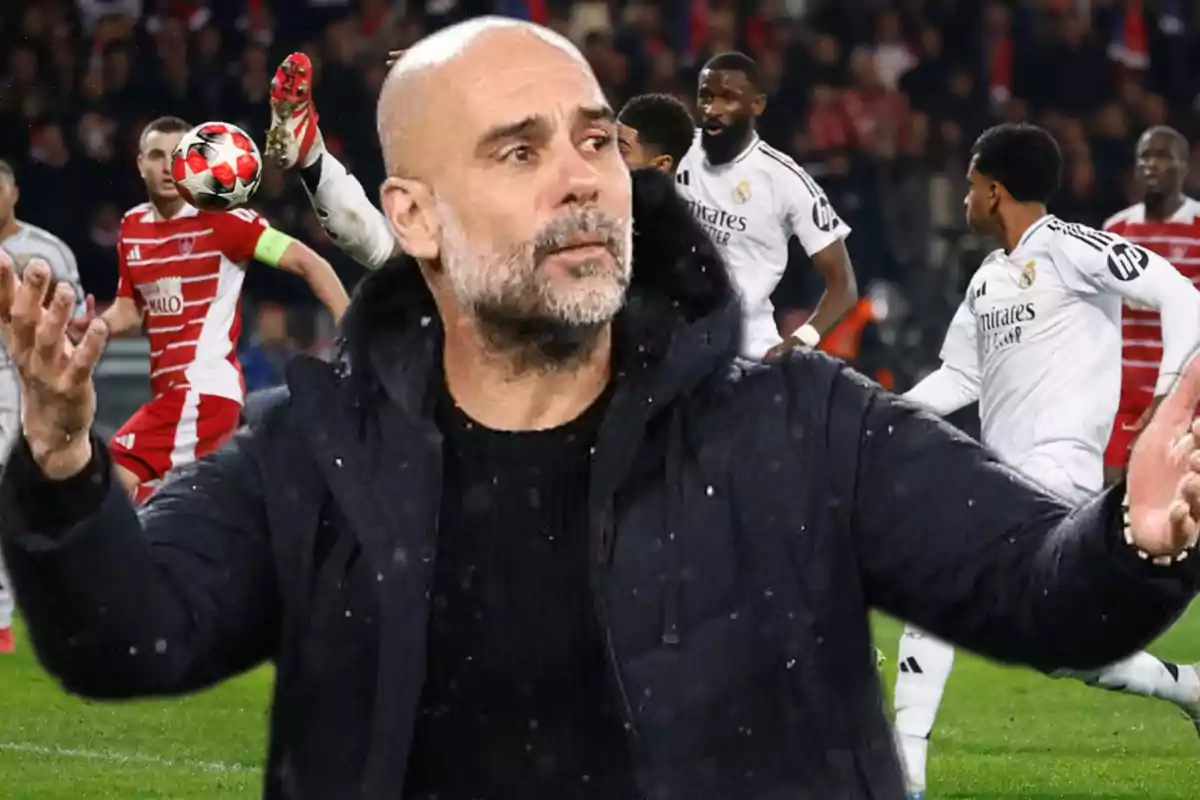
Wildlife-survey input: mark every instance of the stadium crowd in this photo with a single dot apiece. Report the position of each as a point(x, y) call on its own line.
point(878, 100)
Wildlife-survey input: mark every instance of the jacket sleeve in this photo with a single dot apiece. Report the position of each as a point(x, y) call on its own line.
point(121, 603)
point(950, 539)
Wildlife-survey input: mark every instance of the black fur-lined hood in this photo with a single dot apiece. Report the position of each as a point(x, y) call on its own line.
point(681, 324)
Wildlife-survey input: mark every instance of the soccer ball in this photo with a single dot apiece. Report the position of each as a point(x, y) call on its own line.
point(216, 166)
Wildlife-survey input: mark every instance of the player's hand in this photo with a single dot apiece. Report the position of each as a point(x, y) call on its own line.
point(58, 399)
point(79, 325)
point(1164, 472)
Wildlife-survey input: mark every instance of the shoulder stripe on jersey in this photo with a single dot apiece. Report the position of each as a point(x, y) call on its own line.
point(793, 168)
point(1094, 239)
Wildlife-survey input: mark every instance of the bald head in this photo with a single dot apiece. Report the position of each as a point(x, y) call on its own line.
point(417, 93)
point(505, 182)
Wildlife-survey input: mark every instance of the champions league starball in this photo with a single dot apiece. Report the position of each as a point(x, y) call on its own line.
point(216, 167)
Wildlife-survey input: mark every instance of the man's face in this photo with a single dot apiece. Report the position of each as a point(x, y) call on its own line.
point(638, 155)
point(728, 104)
point(531, 195)
point(982, 201)
point(8, 198)
point(1162, 164)
point(154, 164)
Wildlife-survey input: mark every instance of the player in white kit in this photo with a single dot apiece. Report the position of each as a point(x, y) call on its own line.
point(22, 242)
point(1037, 341)
point(752, 198)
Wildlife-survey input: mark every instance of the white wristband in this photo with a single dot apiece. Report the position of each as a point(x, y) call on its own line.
point(807, 335)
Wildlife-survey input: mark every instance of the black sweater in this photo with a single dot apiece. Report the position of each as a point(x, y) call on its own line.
point(516, 702)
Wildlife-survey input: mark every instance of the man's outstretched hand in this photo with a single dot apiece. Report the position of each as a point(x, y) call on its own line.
point(58, 399)
point(1164, 473)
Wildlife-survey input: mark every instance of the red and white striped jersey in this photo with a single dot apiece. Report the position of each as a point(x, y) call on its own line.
point(1178, 240)
point(185, 274)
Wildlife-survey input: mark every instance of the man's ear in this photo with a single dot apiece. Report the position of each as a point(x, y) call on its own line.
point(758, 105)
point(409, 206)
point(663, 163)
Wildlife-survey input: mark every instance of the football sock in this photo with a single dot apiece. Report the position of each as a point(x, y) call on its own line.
point(346, 214)
point(6, 599)
point(1146, 675)
point(924, 668)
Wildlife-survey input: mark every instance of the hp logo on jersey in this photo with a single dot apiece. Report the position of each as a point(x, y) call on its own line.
point(1126, 261)
point(823, 216)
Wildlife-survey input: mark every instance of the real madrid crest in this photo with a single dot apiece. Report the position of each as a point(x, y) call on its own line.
point(1028, 275)
point(741, 192)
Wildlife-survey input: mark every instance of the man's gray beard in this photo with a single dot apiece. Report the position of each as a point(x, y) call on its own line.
point(517, 312)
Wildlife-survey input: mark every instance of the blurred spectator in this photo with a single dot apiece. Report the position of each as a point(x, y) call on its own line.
point(264, 360)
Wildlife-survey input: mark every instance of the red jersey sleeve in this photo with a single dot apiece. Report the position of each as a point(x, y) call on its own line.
point(124, 280)
point(238, 232)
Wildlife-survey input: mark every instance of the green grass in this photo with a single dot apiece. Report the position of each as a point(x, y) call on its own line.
point(1003, 733)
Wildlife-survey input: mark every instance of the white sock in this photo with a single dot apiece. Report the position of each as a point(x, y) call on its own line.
point(924, 665)
point(6, 599)
point(351, 221)
point(1146, 675)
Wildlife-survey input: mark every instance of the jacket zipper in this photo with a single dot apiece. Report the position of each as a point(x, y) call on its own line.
point(604, 557)
point(631, 724)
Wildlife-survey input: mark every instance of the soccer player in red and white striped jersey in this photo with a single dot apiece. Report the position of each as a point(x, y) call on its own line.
point(181, 273)
point(1166, 222)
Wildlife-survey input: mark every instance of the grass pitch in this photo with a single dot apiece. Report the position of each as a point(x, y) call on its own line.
point(1003, 733)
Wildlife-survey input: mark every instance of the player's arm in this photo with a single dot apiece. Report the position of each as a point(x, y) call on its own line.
point(124, 315)
point(277, 249)
point(350, 219)
point(950, 538)
point(822, 233)
point(841, 286)
point(121, 604)
point(955, 384)
point(1145, 278)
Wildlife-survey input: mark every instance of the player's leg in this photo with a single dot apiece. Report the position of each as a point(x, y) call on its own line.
point(924, 668)
point(294, 140)
point(1150, 676)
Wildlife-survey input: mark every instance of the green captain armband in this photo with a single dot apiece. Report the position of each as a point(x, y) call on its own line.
point(271, 246)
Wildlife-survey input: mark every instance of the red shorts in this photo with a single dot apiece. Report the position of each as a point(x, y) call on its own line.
point(1121, 439)
point(175, 428)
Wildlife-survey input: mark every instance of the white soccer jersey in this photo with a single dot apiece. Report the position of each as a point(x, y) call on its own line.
point(751, 207)
point(1037, 340)
point(32, 242)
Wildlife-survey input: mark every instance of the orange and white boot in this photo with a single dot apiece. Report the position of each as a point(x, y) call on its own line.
point(294, 138)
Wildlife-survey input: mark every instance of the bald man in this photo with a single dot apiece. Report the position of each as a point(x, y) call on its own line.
point(534, 536)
